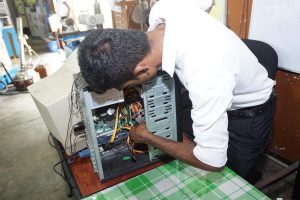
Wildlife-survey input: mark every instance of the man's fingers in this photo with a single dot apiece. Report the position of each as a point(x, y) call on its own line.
point(140, 121)
point(132, 129)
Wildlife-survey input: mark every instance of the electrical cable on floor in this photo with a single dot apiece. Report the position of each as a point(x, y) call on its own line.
point(58, 173)
point(60, 162)
point(63, 177)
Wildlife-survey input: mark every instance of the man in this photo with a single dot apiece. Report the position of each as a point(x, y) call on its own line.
point(213, 64)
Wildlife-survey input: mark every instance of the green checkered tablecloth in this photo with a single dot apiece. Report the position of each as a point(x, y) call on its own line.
point(176, 180)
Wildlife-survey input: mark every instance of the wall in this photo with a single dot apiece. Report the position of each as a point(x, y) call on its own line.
point(286, 128)
point(277, 23)
point(238, 16)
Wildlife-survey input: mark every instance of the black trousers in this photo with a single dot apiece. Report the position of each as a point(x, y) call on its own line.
point(249, 133)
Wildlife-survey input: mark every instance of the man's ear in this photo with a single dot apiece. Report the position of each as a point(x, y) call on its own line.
point(140, 69)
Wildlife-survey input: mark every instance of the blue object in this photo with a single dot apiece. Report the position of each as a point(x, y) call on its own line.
point(5, 31)
point(73, 45)
point(5, 78)
point(72, 40)
point(103, 140)
point(76, 35)
point(84, 153)
point(53, 46)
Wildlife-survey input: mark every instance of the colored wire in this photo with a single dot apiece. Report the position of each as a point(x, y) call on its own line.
point(138, 151)
point(128, 140)
point(131, 146)
point(112, 139)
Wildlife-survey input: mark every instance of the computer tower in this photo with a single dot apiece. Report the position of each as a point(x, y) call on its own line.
point(108, 117)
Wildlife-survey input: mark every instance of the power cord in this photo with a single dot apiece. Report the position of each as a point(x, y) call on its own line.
point(69, 160)
point(60, 162)
point(57, 172)
point(52, 145)
point(70, 194)
point(74, 108)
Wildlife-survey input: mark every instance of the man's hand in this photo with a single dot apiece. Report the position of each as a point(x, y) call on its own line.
point(139, 133)
point(178, 150)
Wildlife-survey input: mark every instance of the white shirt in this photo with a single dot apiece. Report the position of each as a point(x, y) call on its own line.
point(217, 69)
point(157, 15)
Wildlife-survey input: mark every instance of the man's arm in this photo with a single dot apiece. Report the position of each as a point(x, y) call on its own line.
point(179, 150)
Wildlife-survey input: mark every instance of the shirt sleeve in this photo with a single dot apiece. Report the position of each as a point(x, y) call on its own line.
point(210, 122)
point(211, 92)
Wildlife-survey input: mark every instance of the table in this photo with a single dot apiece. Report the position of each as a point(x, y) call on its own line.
point(177, 180)
point(296, 192)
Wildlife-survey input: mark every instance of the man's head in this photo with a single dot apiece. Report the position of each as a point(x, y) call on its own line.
point(109, 58)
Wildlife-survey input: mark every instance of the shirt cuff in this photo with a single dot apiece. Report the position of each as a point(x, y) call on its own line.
point(212, 157)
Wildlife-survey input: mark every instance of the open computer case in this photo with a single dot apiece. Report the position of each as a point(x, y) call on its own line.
point(108, 118)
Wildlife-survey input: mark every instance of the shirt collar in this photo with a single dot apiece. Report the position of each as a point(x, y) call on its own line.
point(160, 14)
point(169, 51)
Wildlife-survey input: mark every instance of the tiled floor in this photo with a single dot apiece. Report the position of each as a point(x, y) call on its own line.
point(27, 159)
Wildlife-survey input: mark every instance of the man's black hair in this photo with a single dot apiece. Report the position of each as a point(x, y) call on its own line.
point(107, 57)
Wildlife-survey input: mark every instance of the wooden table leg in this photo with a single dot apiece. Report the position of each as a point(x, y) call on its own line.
point(296, 192)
